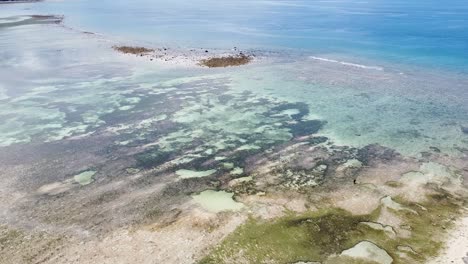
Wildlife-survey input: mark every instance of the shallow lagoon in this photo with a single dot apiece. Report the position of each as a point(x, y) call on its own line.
point(396, 107)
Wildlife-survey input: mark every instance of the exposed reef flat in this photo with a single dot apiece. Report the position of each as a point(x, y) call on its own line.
point(133, 50)
point(190, 57)
point(236, 60)
point(110, 161)
point(298, 197)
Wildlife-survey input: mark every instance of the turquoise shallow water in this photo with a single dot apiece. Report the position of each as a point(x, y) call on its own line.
point(384, 72)
point(427, 32)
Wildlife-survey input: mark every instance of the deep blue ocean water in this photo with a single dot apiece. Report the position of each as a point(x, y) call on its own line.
point(423, 32)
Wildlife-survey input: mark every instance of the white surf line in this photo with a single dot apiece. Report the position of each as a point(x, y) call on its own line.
point(377, 68)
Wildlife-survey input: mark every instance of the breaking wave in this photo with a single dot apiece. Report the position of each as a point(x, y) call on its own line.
point(377, 68)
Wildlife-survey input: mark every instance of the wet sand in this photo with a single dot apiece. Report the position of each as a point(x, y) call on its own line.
point(456, 245)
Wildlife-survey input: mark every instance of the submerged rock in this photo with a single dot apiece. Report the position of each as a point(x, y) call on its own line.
point(304, 128)
point(464, 129)
point(369, 251)
point(295, 110)
point(317, 140)
point(376, 153)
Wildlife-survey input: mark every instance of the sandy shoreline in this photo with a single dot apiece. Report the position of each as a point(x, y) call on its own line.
point(456, 250)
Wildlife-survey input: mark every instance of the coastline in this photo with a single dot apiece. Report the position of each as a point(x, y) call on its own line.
point(202, 106)
point(189, 57)
point(456, 244)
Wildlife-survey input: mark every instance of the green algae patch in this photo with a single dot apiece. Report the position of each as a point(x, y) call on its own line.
point(217, 201)
point(85, 177)
point(295, 110)
point(186, 174)
point(427, 224)
point(377, 226)
point(23, 246)
point(309, 237)
point(434, 218)
point(324, 235)
point(304, 128)
point(394, 184)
